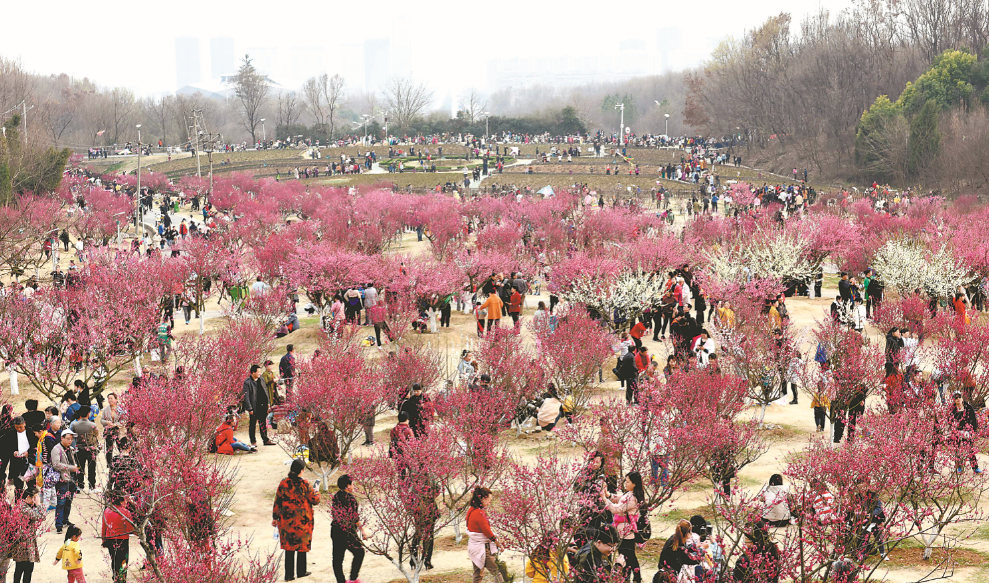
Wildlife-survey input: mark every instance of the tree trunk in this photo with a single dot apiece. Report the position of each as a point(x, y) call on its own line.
point(457, 535)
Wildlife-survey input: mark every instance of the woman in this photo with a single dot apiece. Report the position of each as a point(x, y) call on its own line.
point(777, 511)
point(343, 530)
point(25, 552)
point(292, 514)
point(761, 560)
point(675, 554)
point(551, 410)
point(481, 541)
point(626, 509)
point(541, 315)
point(542, 566)
point(110, 419)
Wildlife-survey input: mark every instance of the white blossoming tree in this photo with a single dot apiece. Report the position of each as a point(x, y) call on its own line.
point(778, 256)
point(907, 265)
point(627, 294)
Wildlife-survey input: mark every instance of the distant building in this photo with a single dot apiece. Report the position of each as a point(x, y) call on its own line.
point(187, 61)
point(377, 63)
point(222, 58)
point(221, 88)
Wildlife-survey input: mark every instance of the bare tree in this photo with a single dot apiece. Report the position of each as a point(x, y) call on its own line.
point(312, 92)
point(58, 112)
point(323, 94)
point(406, 98)
point(332, 94)
point(122, 106)
point(288, 109)
point(158, 109)
point(251, 89)
point(472, 105)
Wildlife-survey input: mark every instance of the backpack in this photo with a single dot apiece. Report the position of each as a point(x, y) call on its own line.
point(643, 528)
point(212, 443)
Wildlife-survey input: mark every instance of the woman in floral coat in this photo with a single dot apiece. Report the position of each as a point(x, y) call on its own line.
point(25, 552)
point(293, 516)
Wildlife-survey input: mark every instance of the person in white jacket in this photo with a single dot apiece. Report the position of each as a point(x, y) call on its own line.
point(777, 507)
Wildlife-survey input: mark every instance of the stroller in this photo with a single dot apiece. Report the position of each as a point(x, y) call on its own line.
point(526, 418)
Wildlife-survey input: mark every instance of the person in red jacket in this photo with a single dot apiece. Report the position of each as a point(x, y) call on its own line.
point(637, 332)
point(226, 443)
point(515, 307)
point(115, 532)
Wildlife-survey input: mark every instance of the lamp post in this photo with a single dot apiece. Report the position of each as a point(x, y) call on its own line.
point(667, 124)
point(487, 133)
point(264, 134)
point(621, 126)
point(140, 213)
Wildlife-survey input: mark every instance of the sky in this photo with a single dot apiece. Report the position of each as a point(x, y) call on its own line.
point(447, 44)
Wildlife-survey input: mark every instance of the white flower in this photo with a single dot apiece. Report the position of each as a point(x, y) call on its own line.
point(908, 265)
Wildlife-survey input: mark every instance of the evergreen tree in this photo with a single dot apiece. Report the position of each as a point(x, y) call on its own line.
point(925, 139)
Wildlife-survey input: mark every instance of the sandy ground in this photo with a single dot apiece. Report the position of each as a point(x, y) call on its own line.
point(258, 475)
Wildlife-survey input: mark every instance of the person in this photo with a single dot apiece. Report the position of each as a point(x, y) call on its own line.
point(400, 434)
point(226, 443)
point(427, 512)
point(777, 510)
point(292, 515)
point(64, 463)
point(493, 305)
point(86, 447)
point(628, 373)
point(626, 509)
point(675, 555)
point(32, 416)
point(539, 318)
point(593, 559)
point(515, 307)
point(419, 410)
point(255, 402)
point(115, 530)
point(760, 562)
point(550, 411)
point(637, 332)
point(481, 543)
point(963, 436)
point(111, 420)
point(70, 555)
point(15, 446)
point(543, 565)
point(270, 382)
point(286, 369)
point(344, 528)
point(25, 553)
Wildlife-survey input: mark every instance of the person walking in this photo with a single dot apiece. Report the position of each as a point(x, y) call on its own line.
point(25, 553)
point(255, 402)
point(63, 460)
point(70, 555)
point(344, 531)
point(292, 515)
point(286, 370)
point(481, 544)
point(117, 526)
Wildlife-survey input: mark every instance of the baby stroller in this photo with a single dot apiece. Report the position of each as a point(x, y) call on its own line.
point(526, 419)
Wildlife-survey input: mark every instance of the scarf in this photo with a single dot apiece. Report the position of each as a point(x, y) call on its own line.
point(39, 461)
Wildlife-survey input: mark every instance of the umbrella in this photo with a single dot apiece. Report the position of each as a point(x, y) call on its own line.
point(546, 191)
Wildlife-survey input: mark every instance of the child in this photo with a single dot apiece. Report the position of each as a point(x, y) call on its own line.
point(71, 555)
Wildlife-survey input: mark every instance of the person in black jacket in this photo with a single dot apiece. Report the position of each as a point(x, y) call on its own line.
point(675, 552)
point(256, 403)
point(629, 374)
point(15, 449)
point(966, 426)
point(415, 406)
point(760, 562)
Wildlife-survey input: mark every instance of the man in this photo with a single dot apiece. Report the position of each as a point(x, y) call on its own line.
point(15, 445)
point(515, 307)
point(255, 401)
point(594, 558)
point(966, 426)
point(416, 409)
point(260, 287)
point(370, 300)
point(86, 446)
point(628, 373)
point(845, 289)
point(637, 332)
point(399, 435)
point(286, 369)
point(63, 461)
point(32, 416)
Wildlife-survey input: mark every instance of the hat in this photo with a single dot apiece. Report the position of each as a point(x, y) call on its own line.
point(956, 394)
point(607, 536)
point(68, 432)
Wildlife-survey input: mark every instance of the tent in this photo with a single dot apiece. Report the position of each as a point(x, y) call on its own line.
point(546, 191)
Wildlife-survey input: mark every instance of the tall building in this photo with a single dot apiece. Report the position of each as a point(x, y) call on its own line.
point(187, 66)
point(265, 60)
point(306, 62)
point(377, 63)
point(221, 57)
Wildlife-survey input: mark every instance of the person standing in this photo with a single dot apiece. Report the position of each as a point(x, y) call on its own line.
point(86, 447)
point(343, 530)
point(270, 382)
point(111, 420)
point(63, 460)
point(286, 370)
point(626, 509)
point(493, 305)
point(15, 446)
point(292, 515)
point(115, 530)
point(370, 300)
point(419, 410)
point(481, 544)
point(25, 553)
point(255, 402)
point(963, 436)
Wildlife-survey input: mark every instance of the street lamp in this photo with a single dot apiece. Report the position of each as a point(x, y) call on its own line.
point(621, 127)
point(264, 134)
point(667, 124)
point(140, 214)
point(486, 115)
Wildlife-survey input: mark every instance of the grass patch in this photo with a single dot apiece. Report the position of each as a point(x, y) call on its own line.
point(782, 432)
point(901, 557)
point(678, 514)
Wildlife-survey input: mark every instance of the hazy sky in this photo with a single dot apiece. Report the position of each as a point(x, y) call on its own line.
point(132, 44)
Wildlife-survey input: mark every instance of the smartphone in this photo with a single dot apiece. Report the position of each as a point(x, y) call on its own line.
point(316, 484)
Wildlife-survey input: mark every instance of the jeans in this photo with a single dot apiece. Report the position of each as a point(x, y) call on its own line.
point(819, 418)
point(111, 442)
point(65, 491)
point(259, 416)
point(23, 571)
point(86, 459)
point(627, 549)
point(659, 466)
point(425, 535)
point(119, 555)
point(344, 541)
point(295, 562)
point(240, 446)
